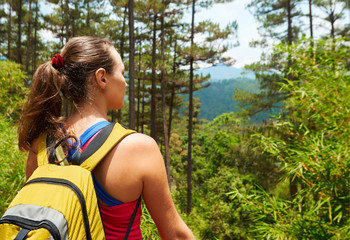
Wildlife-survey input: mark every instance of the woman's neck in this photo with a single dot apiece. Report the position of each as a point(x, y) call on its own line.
point(84, 117)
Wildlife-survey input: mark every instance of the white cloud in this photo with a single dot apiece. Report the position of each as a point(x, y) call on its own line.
point(247, 29)
point(47, 35)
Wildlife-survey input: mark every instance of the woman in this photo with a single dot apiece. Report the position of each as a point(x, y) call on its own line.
point(89, 74)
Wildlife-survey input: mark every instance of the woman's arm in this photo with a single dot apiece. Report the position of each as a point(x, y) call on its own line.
point(156, 193)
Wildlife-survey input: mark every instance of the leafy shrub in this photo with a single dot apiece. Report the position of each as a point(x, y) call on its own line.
point(12, 169)
point(313, 148)
point(12, 89)
point(217, 165)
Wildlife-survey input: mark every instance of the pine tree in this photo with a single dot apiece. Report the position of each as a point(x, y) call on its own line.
point(163, 89)
point(190, 118)
point(153, 88)
point(273, 16)
point(207, 52)
point(333, 10)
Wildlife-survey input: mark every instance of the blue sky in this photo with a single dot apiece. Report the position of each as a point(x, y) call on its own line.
point(248, 27)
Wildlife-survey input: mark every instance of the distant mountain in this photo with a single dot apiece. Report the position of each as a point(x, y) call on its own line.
point(222, 72)
point(217, 98)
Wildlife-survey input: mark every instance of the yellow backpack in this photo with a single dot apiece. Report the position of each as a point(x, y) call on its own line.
point(59, 202)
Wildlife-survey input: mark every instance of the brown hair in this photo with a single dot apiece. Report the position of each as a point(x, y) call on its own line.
point(82, 56)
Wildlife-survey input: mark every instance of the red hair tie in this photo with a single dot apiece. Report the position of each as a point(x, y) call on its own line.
point(57, 61)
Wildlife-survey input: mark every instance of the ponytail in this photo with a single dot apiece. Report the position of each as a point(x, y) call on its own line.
point(42, 110)
point(70, 75)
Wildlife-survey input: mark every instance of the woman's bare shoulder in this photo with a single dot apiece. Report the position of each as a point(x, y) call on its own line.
point(139, 141)
point(141, 150)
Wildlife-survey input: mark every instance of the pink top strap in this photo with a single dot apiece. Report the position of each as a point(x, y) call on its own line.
point(116, 220)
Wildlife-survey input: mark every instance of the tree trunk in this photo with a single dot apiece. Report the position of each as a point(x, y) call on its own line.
point(28, 38)
point(153, 90)
point(139, 89)
point(332, 21)
point(310, 19)
point(289, 16)
point(35, 34)
point(9, 34)
point(88, 16)
point(122, 40)
point(131, 66)
point(290, 34)
point(66, 13)
point(293, 188)
point(190, 120)
point(163, 89)
point(172, 97)
point(122, 52)
point(19, 33)
point(65, 27)
point(138, 104)
point(76, 9)
point(143, 105)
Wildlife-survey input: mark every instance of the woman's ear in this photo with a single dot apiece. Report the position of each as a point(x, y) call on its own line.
point(100, 76)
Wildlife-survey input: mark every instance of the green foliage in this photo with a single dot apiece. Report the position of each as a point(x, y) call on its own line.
point(313, 147)
point(270, 71)
point(12, 95)
point(215, 215)
point(222, 161)
point(12, 169)
point(12, 89)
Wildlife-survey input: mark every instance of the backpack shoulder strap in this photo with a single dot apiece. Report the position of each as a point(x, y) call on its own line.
point(42, 157)
point(100, 146)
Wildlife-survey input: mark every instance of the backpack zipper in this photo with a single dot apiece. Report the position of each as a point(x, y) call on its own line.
point(76, 190)
point(32, 224)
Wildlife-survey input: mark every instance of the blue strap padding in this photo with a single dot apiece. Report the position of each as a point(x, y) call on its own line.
point(92, 130)
point(86, 136)
point(104, 196)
